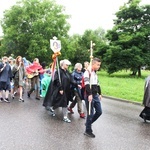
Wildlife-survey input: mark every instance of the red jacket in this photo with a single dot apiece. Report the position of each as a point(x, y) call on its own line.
point(34, 67)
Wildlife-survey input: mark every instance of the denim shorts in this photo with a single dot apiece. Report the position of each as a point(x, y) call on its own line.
point(4, 86)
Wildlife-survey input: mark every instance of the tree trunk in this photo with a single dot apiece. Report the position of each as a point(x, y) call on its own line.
point(139, 71)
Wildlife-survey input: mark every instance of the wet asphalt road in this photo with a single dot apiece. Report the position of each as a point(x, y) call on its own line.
point(28, 126)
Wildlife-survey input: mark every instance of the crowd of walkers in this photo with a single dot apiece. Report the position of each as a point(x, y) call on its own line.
point(57, 87)
point(18, 74)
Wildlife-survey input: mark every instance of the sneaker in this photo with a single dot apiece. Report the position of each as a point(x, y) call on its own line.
point(37, 98)
point(13, 96)
point(65, 119)
point(1, 99)
point(53, 114)
point(89, 134)
point(28, 94)
point(21, 100)
point(70, 110)
point(6, 100)
point(51, 111)
point(82, 115)
point(15, 93)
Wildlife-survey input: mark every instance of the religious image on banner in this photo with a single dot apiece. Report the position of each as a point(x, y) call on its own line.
point(55, 45)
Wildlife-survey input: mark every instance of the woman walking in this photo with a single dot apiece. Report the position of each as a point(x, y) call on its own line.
point(77, 76)
point(19, 74)
point(58, 94)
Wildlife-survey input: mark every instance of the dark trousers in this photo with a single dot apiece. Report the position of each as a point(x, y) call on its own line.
point(96, 111)
point(78, 101)
point(35, 84)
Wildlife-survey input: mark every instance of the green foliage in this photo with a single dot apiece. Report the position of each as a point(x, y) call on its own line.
point(83, 47)
point(29, 25)
point(129, 39)
point(78, 46)
point(72, 44)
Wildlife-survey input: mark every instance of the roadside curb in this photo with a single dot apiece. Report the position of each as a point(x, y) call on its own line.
point(122, 100)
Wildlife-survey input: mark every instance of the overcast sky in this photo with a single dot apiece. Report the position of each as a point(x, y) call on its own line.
point(85, 14)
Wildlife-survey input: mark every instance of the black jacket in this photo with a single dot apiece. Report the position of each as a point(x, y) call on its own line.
point(53, 97)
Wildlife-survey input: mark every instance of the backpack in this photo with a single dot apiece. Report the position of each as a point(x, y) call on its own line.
point(83, 83)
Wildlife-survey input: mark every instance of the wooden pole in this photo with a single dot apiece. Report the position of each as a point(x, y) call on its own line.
point(91, 59)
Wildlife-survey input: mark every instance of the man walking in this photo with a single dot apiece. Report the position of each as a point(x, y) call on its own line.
point(93, 96)
point(33, 71)
point(5, 77)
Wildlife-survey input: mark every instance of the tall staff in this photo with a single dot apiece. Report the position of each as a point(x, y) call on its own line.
point(91, 59)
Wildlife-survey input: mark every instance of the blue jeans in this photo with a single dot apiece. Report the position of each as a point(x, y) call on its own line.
point(96, 111)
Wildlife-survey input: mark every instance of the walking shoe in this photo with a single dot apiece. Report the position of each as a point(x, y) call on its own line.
point(1, 99)
point(70, 110)
point(89, 134)
point(28, 94)
point(6, 100)
point(15, 93)
point(65, 119)
point(53, 114)
point(13, 96)
point(82, 115)
point(51, 111)
point(37, 98)
point(21, 100)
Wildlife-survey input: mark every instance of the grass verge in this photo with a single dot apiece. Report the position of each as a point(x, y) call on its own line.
point(122, 85)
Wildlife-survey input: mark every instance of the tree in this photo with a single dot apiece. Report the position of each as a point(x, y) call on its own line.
point(129, 39)
point(29, 25)
point(72, 46)
point(82, 45)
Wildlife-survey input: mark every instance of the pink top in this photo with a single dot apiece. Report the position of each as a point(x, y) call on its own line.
point(34, 67)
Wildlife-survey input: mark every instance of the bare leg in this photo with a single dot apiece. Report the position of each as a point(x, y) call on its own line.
point(20, 91)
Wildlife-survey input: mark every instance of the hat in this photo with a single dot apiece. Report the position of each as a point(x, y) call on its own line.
point(67, 62)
